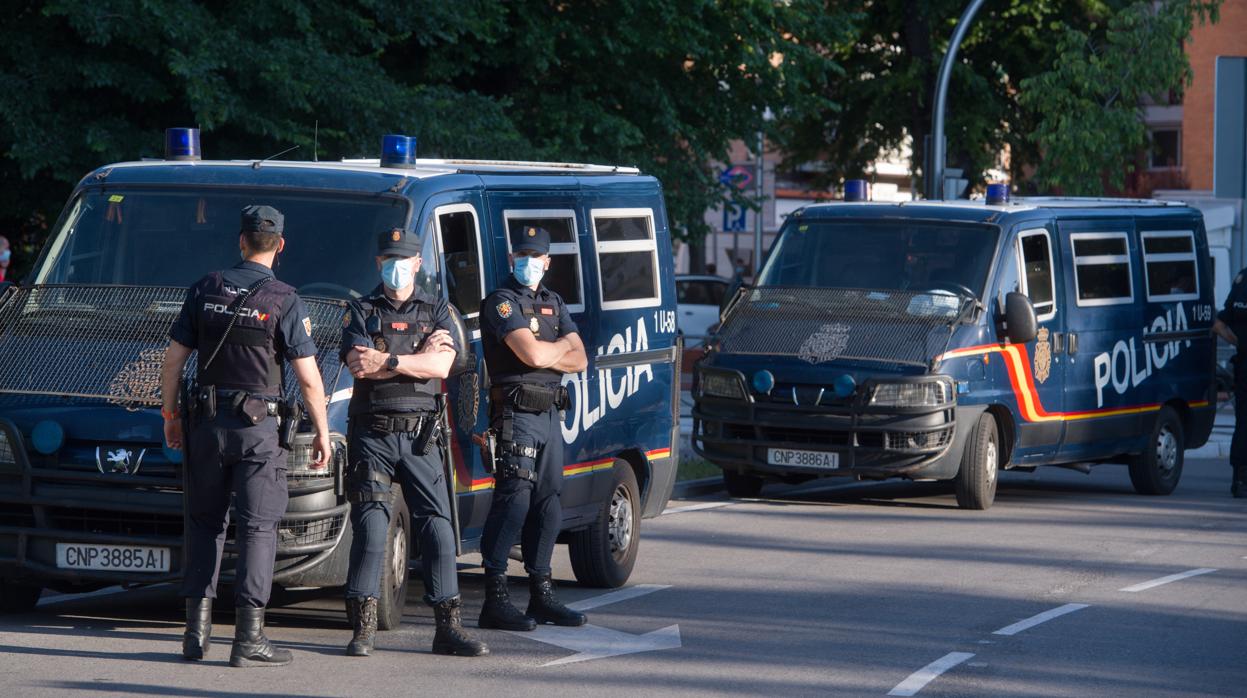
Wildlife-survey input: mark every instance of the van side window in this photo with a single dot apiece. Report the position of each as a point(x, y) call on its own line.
point(627, 257)
point(429, 276)
point(1169, 263)
point(1038, 283)
point(1102, 273)
point(456, 225)
point(564, 276)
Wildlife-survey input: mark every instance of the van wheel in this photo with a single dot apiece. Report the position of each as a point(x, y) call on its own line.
point(741, 485)
point(394, 576)
point(1158, 469)
point(980, 466)
point(17, 597)
point(604, 554)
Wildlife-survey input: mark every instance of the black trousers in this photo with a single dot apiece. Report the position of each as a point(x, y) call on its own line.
point(522, 508)
point(424, 489)
point(1238, 444)
point(225, 456)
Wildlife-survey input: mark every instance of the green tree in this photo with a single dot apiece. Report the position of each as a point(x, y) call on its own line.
point(663, 84)
point(1088, 105)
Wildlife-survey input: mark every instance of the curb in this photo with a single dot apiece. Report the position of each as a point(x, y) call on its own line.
point(697, 488)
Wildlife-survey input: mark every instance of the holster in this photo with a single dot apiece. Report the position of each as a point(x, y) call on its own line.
point(488, 443)
point(290, 413)
point(203, 403)
point(361, 474)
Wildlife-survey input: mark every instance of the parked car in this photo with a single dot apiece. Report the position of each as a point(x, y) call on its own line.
point(698, 298)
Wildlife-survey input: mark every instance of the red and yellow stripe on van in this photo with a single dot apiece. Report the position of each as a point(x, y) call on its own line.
point(1021, 378)
point(568, 471)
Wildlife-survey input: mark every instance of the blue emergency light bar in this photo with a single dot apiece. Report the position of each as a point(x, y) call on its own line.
point(998, 193)
point(182, 144)
point(398, 151)
point(856, 190)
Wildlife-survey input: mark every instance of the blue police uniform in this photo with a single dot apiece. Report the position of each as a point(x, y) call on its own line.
point(394, 436)
point(1234, 315)
point(253, 322)
point(525, 404)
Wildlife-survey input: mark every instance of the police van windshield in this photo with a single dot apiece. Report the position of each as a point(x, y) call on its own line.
point(164, 237)
point(884, 255)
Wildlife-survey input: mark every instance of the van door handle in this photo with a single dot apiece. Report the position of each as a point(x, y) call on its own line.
point(1073, 343)
point(1058, 343)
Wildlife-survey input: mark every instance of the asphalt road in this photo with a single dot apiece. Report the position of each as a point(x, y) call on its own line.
point(1070, 586)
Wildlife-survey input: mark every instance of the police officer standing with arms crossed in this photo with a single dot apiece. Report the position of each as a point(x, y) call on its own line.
point(530, 341)
point(1231, 324)
point(244, 323)
point(397, 345)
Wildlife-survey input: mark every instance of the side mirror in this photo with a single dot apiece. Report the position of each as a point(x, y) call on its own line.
point(465, 358)
point(1020, 322)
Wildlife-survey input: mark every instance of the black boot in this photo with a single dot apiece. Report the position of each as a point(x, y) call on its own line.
point(1238, 486)
point(251, 647)
point(198, 629)
point(362, 614)
point(498, 613)
point(451, 638)
point(544, 606)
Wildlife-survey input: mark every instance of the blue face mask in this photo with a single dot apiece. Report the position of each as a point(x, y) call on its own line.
point(397, 273)
point(6, 256)
point(529, 270)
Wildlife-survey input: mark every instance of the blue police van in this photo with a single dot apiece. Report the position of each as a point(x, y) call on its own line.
point(90, 496)
point(950, 340)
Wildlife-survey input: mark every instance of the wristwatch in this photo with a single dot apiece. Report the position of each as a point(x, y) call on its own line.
point(391, 364)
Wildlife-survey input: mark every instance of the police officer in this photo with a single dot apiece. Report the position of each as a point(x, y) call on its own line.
point(244, 323)
point(1231, 324)
point(397, 345)
point(530, 341)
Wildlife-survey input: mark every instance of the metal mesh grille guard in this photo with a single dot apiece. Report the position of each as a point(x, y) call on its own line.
point(107, 342)
point(827, 324)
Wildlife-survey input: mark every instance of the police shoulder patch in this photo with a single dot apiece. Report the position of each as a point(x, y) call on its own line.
point(346, 319)
point(1239, 279)
point(307, 326)
point(504, 310)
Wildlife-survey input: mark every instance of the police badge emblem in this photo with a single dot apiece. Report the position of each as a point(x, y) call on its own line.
point(534, 325)
point(396, 235)
point(504, 310)
point(1043, 355)
point(307, 326)
point(382, 345)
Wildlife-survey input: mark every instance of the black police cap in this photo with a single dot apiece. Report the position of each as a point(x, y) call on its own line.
point(397, 242)
point(262, 219)
point(530, 238)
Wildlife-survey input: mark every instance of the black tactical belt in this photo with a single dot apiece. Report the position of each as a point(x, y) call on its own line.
point(210, 400)
point(529, 397)
point(517, 450)
point(395, 424)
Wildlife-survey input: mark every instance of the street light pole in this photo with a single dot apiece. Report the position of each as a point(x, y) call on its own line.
point(935, 178)
point(757, 223)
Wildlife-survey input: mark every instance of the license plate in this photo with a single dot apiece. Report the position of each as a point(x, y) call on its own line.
point(116, 558)
point(804, 459)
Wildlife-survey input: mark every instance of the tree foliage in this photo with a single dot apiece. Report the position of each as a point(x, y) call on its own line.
point(663, 84)
point(1088, 105)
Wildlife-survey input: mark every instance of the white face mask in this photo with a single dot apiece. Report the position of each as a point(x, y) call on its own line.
point(397, 273)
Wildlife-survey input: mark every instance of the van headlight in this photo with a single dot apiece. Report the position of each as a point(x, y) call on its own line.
point(299, 460)
point(934, 393)
point(715, 384)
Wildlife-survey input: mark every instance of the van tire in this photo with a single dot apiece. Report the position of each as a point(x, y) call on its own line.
point(741, 485)
point(604, 554)
point(980, 466)
point(1157, 470)
point(395, 573)
point(17, 597)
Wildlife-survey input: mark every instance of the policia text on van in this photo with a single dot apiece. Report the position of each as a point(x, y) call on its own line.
point(82, 465)
point(945, 341)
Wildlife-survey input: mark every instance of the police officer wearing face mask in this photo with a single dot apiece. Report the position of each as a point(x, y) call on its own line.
point(1231, 324)
point(244, 323)
point(530, 341)
point(397, 345)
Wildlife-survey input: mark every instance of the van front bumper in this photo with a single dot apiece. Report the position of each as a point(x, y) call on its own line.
point(870, 442)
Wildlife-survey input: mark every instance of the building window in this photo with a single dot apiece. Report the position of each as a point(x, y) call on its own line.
point(1166, 149)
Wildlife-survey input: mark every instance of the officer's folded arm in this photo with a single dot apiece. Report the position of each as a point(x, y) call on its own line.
point(540, 354)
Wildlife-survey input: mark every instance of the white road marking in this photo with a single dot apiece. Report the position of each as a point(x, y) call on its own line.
point(1044, 617)
point(919, 679)
point(696, 507)
point(617, 596)
point(596, 642)
point(1144, 586)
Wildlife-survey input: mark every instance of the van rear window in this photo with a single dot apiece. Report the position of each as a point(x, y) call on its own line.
point(1102, 268)
point(947, 259)
point(1169, 260)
